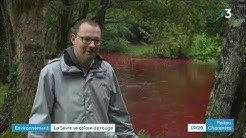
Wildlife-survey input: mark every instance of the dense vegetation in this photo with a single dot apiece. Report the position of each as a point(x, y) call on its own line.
point(171, 29)
point(187, 29)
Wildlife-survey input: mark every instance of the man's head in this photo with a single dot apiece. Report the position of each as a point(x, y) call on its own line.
point(86, 40)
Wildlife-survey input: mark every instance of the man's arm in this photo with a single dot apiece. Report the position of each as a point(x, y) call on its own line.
point(118, 113)
point(43, 102)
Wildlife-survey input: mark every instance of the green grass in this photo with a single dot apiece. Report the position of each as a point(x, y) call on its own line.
point(3, 89)
point(140, 50)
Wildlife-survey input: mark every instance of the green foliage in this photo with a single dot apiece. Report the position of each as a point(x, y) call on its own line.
point(8, 134)
point(11, 93)
point(235, 22)
point(196, 15)
point(112, 31)
point(4, 62)
point(170, 25)
point(3, 53)
point(113, 36)
point(145, 34)
point(117, 45)
point(52, 27)
point(140, 34)
point(205, 48)
point(173, 41)
point(9, 99)
point(167, 25)
point(128, 22)
point(143, 134)
point(3, 90)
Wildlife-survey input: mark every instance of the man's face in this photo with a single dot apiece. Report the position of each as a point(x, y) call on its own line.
point(87, 41)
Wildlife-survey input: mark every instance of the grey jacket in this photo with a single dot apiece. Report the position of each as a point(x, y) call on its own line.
point(66, 95)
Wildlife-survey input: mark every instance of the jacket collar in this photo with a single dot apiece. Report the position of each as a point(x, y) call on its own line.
point(70, 64)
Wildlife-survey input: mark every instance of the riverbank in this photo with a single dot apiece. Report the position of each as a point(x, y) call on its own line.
point(140, 50)
point(147, 51)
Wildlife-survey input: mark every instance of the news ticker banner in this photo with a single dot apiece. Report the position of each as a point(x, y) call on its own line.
point(63, 127)
point(213, 125)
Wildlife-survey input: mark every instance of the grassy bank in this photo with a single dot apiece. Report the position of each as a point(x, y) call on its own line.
point(143, 50)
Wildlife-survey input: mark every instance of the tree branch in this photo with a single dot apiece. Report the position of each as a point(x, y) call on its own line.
point(116, 21)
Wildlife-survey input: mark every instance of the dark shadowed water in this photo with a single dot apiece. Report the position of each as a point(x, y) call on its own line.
point(163, 96)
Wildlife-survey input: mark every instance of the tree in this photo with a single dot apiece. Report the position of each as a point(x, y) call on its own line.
point(6, 45)
point(3, 48)
point(228, 97)
point(59, 21)
point(7, 52)
point(64, 25)
point(27, 20)
point(101, 13)
point(63, 15)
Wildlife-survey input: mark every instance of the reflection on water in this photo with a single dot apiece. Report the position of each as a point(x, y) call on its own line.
point(163, 96)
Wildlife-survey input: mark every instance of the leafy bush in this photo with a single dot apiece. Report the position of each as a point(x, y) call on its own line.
point(205, 48)
point(117, 45)
point(3, 90)
point(172, 41)
point(114, 36)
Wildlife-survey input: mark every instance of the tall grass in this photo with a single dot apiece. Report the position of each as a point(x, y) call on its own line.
point(140, 49)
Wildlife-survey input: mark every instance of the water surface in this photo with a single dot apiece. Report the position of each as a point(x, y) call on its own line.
point(163, 96)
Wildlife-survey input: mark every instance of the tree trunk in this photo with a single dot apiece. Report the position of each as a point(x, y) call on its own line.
point(27, 20)
point(63, 31)
point(100, 15)
point(228, 97)
point(83, 12)
point(66, 23)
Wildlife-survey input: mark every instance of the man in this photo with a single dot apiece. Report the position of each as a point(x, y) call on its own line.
point(80, 88)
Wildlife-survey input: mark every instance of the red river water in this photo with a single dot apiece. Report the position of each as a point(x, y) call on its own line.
point(163, 96)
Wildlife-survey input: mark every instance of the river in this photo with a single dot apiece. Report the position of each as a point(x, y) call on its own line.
point(163, 95)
